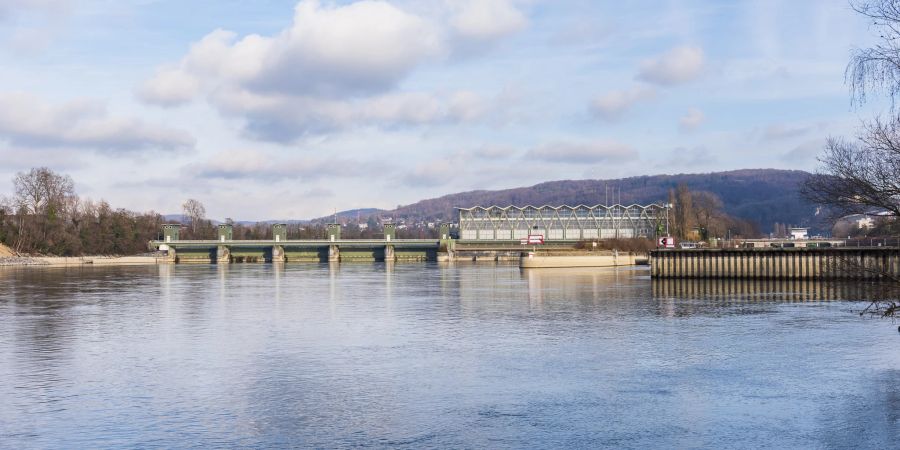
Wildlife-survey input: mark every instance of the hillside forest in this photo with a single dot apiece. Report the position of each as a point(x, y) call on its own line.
point(46, 216)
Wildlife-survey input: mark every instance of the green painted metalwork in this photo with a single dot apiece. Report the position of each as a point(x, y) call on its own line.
point(226, 232)
point(333, 231)
point(224, 249)
point(279, 232)
point(170, 231)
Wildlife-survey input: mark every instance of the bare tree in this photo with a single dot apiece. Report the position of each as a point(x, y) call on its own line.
point(41, 199)
point(682, 200)
point(707, 209)
point(862, 175)
point(195, 212)
point(41, 189)
point(876, 69)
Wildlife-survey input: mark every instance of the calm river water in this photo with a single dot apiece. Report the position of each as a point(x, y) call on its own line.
point(423, 356)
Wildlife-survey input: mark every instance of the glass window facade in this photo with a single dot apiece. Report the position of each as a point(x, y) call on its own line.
point(561, 222)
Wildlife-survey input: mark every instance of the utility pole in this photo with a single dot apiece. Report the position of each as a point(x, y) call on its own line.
point(668, 205)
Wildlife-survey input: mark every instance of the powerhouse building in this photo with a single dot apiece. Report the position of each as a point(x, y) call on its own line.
point(561, 222)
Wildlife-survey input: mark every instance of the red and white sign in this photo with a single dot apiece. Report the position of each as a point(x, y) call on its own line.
point(535, 239)
point(666, 242)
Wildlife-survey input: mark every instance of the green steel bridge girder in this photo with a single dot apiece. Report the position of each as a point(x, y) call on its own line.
point(223, 250)
point(345, 243)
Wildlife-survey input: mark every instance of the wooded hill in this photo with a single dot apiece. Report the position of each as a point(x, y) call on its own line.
point(762, 196)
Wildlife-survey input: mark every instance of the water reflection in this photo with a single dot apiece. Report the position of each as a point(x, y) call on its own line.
point(436, 355)
point(771, 290)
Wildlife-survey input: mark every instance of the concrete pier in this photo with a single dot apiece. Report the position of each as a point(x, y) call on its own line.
point(777, 263)
point(334, 253)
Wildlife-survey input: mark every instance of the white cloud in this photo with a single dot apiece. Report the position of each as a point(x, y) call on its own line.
point(487, 152)
point(169, 87)
point(614, 104)
point(10, 7)
point(430, 174)
point(28, 121)
point(583, 152)
point(258, 165)
point(29, 26)
point(692, 119)
point(336, 66)
point(334, 51)
point(690, 158)
point(285, 118)
point(783, 131)
point(486, 19)
point(677, 66)
point(805, 152)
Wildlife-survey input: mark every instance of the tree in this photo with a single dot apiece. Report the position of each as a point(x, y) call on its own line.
point(682, 211)
point(195, 212)
point(41, 189)
point(862, 175)
point(46, 216)
point(41, 198)
point(875, 69)
point(707, 210)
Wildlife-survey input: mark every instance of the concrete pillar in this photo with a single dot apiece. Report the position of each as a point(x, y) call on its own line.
point(390, 232)
point(171, 255)
point(701, 266)
point(223, 255)
point(277, 254)
point(279, 232)
point(334, 253)
point(815, 266)
point(226, 232)
point(389, 253)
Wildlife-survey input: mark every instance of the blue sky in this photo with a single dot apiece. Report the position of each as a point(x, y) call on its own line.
point(286, 109)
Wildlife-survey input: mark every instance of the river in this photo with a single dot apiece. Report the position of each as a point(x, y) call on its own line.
point(432, 356)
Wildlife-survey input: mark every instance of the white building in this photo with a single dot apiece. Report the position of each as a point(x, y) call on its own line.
point(799, 233)
point(865, 223)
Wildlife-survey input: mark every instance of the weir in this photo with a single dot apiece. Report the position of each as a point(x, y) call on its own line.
point(224, 249)
point(777, 263)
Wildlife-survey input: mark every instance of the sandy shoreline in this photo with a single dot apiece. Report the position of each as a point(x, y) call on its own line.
point(58, 261)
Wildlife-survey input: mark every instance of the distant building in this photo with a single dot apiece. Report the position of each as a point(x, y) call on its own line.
point(865, 223)
point(363, 226)
point(799, 233)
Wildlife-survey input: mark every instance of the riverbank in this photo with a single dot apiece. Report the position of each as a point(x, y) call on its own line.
point(61, 261)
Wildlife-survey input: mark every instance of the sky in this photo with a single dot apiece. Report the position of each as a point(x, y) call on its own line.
point(277, 109)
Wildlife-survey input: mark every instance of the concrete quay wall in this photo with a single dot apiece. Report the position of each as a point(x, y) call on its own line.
point(789, 263)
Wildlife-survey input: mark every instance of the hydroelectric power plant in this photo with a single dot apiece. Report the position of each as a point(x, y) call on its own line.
point(561, 223)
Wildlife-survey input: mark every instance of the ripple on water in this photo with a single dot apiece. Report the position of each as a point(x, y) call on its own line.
point(431, 356)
